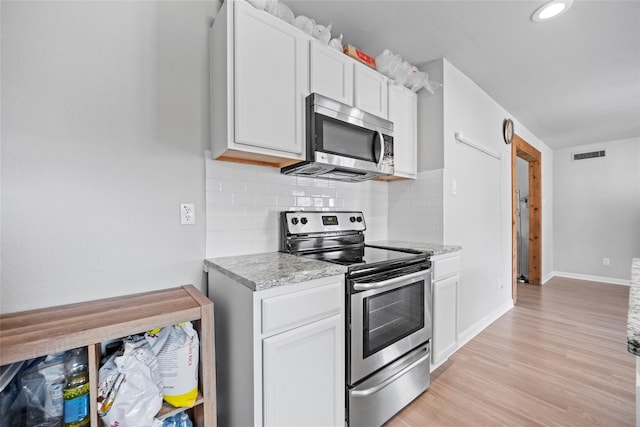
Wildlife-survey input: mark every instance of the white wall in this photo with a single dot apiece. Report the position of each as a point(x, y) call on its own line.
point(104, 123)
point(244, 204)
point(478, 216)
point(597, 210)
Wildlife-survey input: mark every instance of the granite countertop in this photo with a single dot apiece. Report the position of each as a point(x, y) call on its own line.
point(633, 319)
point(430, 248)
point(268, 270)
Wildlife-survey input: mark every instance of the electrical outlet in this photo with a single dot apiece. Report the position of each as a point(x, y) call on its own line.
point(187, 213)
point(606, 261)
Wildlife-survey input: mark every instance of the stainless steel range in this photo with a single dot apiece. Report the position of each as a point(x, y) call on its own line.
point(388, 321)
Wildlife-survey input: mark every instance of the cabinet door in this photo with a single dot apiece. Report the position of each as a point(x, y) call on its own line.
point(370, 92)
point(304, 375)
point(331, 73)
point(445, 316)
point(403, 111)
point(270, 81)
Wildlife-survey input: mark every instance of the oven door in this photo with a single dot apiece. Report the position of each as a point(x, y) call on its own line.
point(390, 315)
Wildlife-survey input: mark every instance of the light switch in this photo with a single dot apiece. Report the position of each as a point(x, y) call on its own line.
point(454, 187)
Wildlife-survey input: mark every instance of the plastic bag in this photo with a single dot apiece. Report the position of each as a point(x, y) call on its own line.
point(285, 13)
point(177, 349)
point(322, 33)
point(110, 380)
point(43, 389)
point(139, 397)
point(258, 4)
point(336, 43)
point(387, 63)
point(305, 24)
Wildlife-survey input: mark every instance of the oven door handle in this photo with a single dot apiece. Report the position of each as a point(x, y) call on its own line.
point(360, 286)
point(376, 388)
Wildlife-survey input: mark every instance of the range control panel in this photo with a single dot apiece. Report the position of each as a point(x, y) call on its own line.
point(301, 222)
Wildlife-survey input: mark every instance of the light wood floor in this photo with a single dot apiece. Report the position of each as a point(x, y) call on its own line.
point(558, 358)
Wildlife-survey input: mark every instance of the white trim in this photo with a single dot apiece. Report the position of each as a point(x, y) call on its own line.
point(548, 277)
point(591, 278)
point(467, 335)
point(470, 333)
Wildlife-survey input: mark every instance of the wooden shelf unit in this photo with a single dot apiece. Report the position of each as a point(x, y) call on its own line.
point(28, 334)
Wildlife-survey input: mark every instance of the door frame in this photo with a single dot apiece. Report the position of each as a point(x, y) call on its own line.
point(521, 148)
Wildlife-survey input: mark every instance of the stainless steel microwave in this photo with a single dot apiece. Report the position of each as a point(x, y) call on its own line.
point(344, 143)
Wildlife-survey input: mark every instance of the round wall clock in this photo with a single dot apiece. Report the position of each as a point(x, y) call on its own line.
point(507, 130)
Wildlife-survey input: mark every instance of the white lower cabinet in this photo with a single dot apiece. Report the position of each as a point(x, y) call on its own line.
point(282, 359)
point(302, 373)
point(446, 278)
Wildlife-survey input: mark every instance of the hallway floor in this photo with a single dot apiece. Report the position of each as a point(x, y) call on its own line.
point(558, 358)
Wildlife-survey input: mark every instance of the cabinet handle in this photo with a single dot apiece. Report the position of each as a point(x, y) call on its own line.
point(376, 388)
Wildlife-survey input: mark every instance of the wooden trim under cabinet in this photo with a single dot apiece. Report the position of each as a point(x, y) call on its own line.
point(29, 334)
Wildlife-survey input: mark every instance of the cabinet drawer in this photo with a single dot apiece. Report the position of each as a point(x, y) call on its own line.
point(445, 266)
point(299, 308)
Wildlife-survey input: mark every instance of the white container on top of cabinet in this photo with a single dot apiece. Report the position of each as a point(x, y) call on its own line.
point(259, 79)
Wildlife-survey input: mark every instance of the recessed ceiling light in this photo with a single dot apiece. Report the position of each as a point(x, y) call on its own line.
point(551, 10)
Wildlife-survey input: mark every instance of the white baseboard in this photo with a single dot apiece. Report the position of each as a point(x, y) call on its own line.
point(548, 277)
point(467, 335)
point(591, 278)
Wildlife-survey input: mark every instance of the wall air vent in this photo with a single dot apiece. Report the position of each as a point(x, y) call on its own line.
point(590, 155)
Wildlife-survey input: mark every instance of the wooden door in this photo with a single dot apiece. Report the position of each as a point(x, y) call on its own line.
point(522, 149)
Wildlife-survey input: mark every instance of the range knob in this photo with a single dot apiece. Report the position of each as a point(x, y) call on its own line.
point(352, 219)
point(303, 220)
point(294, 221)
point(359, 219)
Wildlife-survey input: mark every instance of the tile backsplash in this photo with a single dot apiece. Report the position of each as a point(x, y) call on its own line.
point(244, 204)
point(415, 208)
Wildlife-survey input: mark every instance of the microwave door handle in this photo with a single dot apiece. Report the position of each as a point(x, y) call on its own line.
point(381, 146)
point(358, 286)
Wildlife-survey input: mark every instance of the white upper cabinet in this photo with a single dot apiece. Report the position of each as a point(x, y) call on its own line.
point(263, 68)
point(403, 112)
point(259, 78)
point(331, 73)
point(370, 91)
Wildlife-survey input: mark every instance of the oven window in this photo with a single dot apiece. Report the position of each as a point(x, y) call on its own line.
point(391, 316)
point(348, 140)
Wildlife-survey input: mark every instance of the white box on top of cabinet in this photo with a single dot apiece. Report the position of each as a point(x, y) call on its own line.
point(280, 355)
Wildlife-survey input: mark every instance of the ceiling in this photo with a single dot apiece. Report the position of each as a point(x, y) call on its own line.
point(571, 81)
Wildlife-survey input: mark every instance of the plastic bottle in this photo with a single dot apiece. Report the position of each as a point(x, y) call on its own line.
point(169, 422)
point(76, 389)
point(185, 421)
